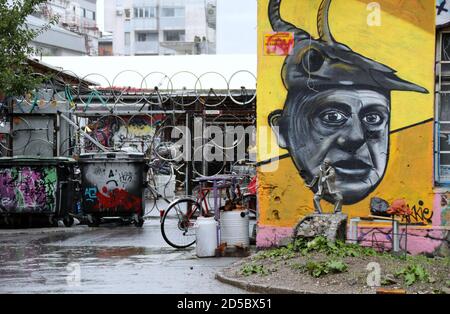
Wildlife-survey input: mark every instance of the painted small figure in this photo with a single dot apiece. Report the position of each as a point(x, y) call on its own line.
point(326, 187)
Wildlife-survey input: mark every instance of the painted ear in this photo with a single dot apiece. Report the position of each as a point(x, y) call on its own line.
point(274, 122)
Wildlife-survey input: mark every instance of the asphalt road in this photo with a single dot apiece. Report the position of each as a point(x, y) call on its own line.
point(109, 259)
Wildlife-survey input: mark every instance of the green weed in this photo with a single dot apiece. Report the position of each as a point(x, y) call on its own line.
point(250, 269)
point(412, 274)
point(319, 269)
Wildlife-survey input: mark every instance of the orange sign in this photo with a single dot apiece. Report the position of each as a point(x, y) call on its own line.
point(278, 43)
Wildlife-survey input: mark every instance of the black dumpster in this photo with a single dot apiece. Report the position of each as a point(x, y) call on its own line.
point(36, 190)
point(112, 185)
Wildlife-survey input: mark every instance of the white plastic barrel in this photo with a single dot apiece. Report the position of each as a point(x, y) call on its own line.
point(234, 228)
point(206, 236)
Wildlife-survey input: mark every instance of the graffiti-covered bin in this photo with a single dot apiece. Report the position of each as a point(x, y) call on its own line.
point(36, 186)
point(112, 184)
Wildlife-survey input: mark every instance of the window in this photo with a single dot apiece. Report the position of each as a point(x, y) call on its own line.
point(127, 39)
point(141, 36)
point(144, 12)
point(174, 35)
point(89, 14)
point(146, 36)
point(172, 12)
point(168, 12)
point(442, 136)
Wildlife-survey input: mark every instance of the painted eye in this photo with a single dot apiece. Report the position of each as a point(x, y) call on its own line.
point(373, 118)
point(333, 117)
point(312, 61)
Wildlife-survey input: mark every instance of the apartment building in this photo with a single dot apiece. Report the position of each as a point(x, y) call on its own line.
point(76, 32)
point(161, 27)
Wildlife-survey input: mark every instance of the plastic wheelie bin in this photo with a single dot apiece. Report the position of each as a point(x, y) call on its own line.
point(36, 191)
point(112, 185)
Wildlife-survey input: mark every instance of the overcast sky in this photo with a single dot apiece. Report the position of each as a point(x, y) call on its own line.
point(236, 25)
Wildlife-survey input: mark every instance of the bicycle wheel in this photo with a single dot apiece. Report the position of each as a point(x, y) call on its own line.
point(157, 88)
point(184, 91)
point(212, 96)
point(242, 89)
point(177, 226)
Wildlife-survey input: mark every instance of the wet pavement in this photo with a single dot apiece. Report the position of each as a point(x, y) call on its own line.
point(108, 259)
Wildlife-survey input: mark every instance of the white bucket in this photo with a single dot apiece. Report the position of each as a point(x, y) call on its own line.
point(234, 227)
point(206, 236)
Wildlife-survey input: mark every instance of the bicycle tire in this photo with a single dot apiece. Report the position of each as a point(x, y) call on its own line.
point(183, 230)
point(152, 90)
point(219, 99)
point(223, 127)
point(15, 131)
point(180, 93)
point(118, 95)
point(243, 90)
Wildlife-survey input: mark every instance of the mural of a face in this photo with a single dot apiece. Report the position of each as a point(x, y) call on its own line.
point(349, 127)
point(338, 107)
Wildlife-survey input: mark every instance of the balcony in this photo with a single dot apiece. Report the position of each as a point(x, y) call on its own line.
point(172, 22)
point(146, 47)
point(144, 24)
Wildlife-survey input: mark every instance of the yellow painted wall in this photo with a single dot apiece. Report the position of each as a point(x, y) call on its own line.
point(405, 41)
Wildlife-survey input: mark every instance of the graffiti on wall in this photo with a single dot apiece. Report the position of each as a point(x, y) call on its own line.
point(353, 92)
point(338, 108)
point(112, 188)
point(133, 133)
point(442, 12)
point(413, 241)
point(445, 213)
point(28, 189)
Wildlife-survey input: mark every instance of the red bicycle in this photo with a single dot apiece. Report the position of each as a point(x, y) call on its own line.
point(178, 220)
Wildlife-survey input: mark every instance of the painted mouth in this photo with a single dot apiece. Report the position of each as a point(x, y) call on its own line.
point(352, 167)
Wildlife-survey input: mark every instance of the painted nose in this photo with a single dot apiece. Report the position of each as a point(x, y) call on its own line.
point(353, 139)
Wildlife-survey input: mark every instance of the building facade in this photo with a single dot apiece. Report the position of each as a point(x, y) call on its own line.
point(161, 27)
point(335, 82)
point(76, 32)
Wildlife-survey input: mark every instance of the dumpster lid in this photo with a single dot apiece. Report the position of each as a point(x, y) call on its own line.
point(36, 159)
point(112, 155)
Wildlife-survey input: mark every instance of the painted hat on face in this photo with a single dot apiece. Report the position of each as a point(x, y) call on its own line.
point(323, 63)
